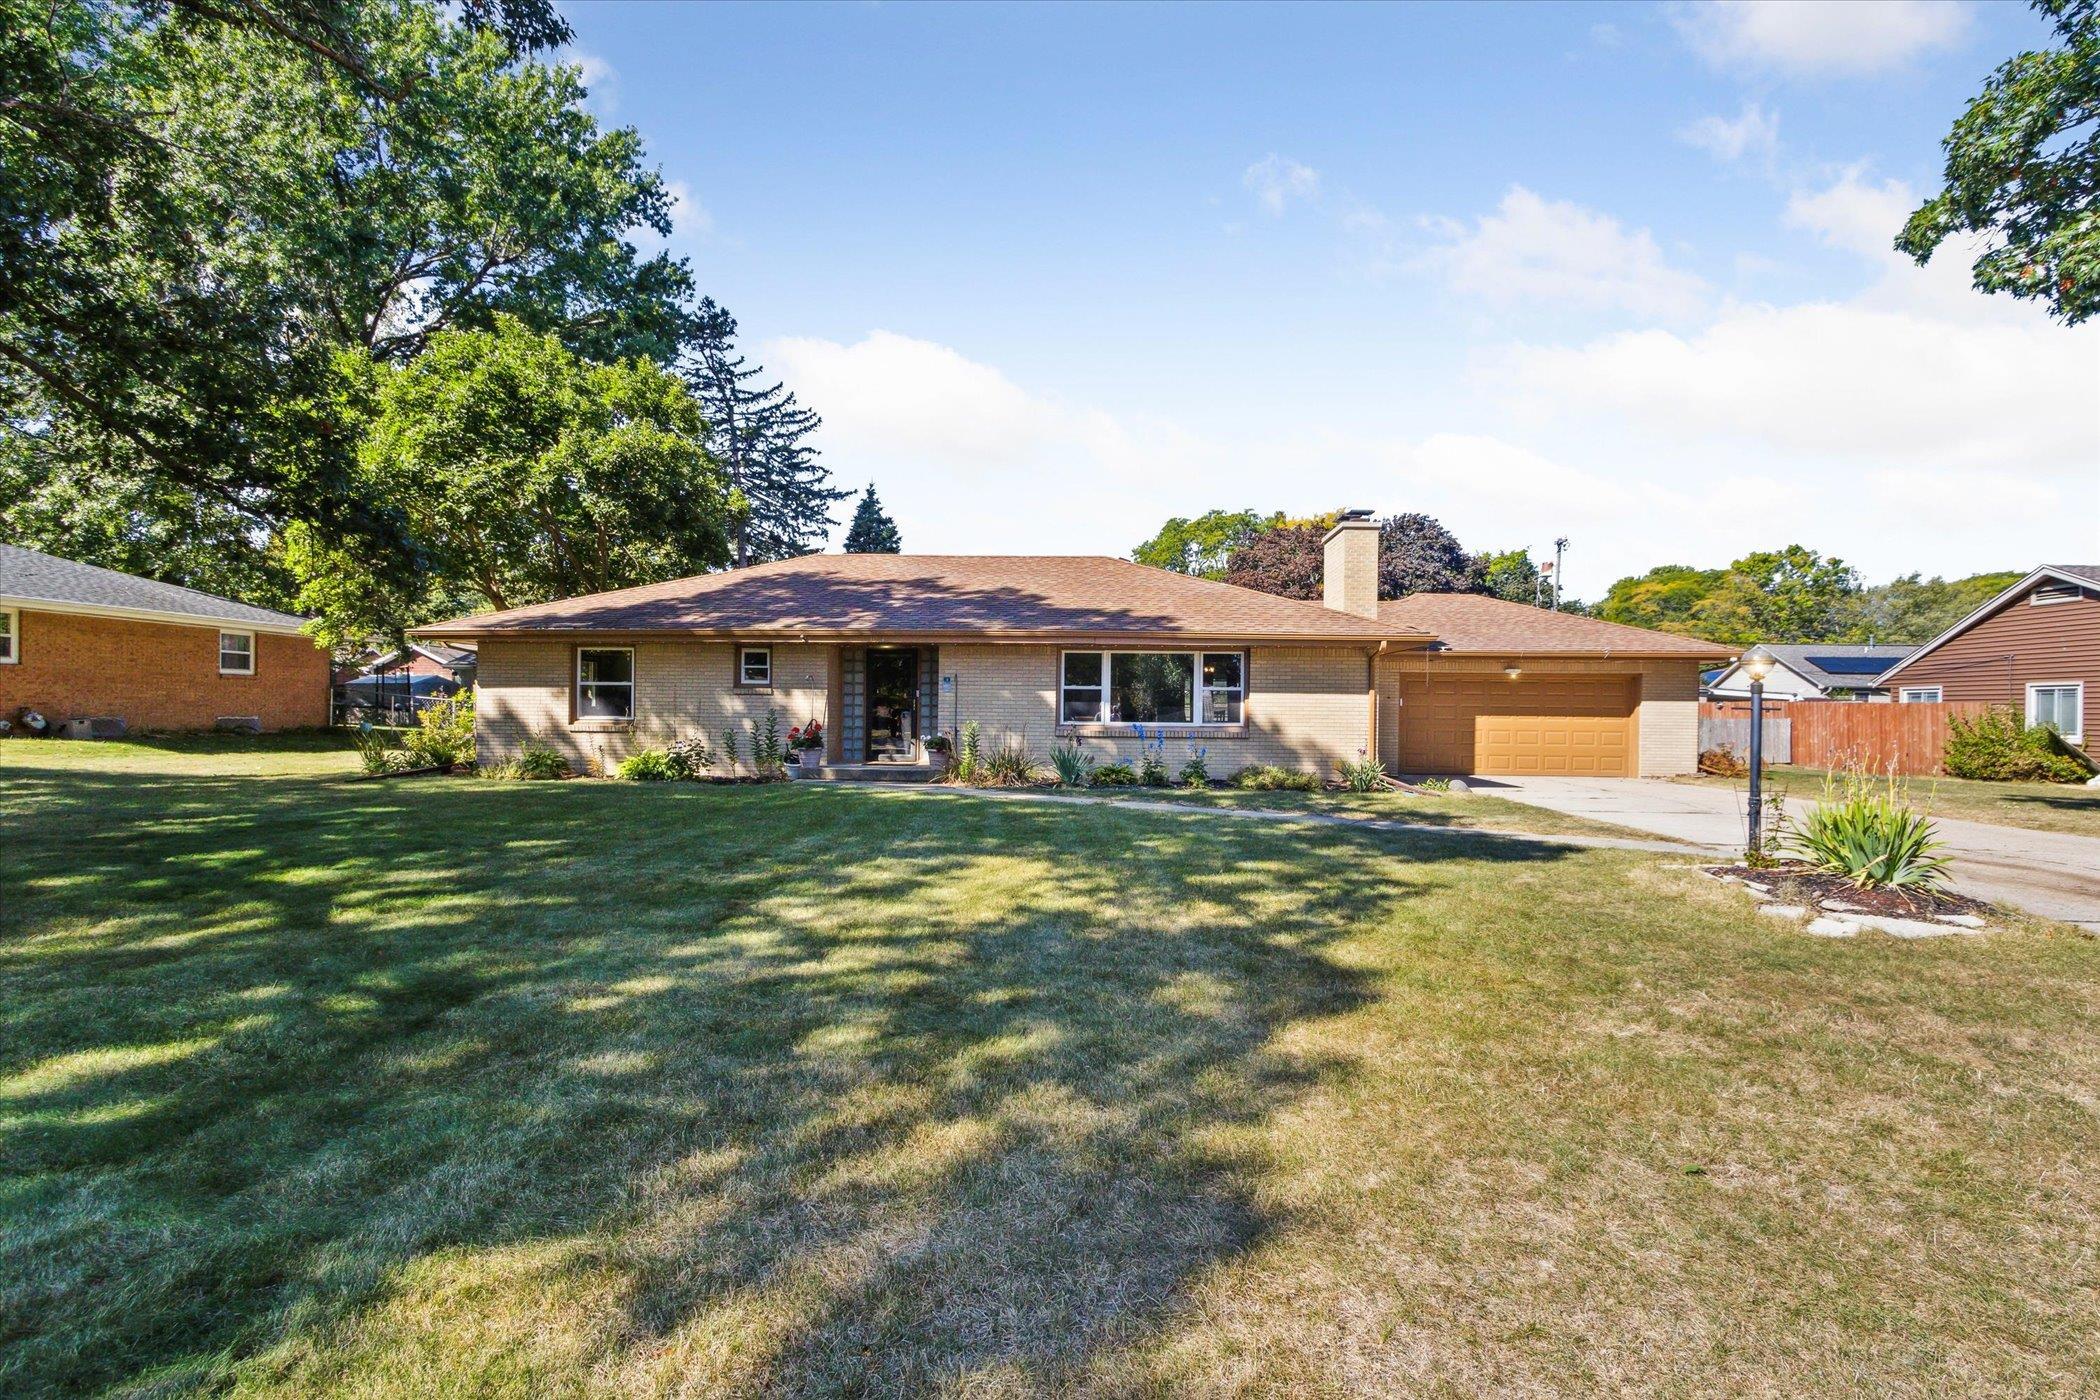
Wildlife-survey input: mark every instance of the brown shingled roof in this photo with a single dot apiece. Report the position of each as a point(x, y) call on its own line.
point(996, 596)
point(1468, 622)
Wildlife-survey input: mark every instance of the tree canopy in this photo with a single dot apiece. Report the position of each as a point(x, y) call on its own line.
point(1416, 554)
point(523, 473)
point(873, 532)
point(1203, 546)
point(2023, 173)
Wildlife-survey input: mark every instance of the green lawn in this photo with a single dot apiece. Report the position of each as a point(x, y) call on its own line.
point(2035, 806)
point(452, 1086)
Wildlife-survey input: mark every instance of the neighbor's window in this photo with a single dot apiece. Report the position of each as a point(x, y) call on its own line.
point(1152, 687)
point(236, 653)
point(1919, 695)
point(2060, 704)
point(8, 649)
point(605, 683)
point(754, 666)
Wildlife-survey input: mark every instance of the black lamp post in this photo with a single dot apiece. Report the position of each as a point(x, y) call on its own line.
point(1757, 664)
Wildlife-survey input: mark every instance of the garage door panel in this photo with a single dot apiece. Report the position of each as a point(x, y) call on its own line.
point(1554, 726)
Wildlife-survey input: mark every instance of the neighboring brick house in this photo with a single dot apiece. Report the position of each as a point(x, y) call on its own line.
point(891, 649)
point(81, 642)
point(2036, 647)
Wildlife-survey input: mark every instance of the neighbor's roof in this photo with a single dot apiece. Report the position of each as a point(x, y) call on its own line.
point(1838, 665)
point(1001, 596)
point(1469, 622)
point(31, 579)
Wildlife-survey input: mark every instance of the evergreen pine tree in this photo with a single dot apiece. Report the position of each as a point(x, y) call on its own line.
point(760, 435)
point(873, 531)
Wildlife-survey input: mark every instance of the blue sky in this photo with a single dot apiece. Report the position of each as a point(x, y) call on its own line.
point(1618, 272)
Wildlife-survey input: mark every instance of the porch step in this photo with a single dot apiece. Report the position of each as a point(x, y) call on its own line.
point(876, 773)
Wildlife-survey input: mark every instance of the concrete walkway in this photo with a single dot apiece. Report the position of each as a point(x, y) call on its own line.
point(2048, 873)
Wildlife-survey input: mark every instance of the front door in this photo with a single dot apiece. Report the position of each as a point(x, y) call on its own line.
point(893, 705)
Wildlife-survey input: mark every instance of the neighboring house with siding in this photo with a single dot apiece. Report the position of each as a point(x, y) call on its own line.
point(1816, 671)
point(890, 650)
point(2036, 647)
point(81, 642)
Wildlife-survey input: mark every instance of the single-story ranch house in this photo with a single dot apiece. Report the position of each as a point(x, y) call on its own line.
point(79, 642)
point(891, 649)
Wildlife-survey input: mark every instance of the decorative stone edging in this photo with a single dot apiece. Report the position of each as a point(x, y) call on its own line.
point(1833, 918)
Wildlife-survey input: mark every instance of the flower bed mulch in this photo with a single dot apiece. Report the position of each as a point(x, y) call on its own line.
point(1804, 884)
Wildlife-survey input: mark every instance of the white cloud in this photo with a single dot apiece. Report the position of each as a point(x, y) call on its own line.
point(1277, 180)
point(1534, 249)
point(601, 81)
point(689, 217)
point(1854, 215)
point(1917, 382)
point(1753, 133)
point(1819, 36)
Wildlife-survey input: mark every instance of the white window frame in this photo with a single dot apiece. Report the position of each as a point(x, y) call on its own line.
point(743, 668)
point(2077, 688)
point(12, 633)
point(1921, 695)
point(1197, 689)
point(577, 684)
point(249, 637)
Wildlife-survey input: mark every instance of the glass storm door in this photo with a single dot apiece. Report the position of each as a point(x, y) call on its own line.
point(893, 704)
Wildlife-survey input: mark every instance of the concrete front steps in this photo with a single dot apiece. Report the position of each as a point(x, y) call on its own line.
point(873, 773)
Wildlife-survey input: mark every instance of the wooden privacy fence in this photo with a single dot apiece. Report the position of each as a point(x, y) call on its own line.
point(1728, 730)
point(1842, 733)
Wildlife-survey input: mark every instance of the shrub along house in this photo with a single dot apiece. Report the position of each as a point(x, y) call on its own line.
point(890, 650)
point(79, 642)
point(2035, 647)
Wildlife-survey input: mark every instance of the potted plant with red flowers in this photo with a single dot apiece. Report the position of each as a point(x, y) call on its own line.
point(806, 744)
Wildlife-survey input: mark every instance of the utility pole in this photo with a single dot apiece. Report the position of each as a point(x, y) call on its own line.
point(1559, 546)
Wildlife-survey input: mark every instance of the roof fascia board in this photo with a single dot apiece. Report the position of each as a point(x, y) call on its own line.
point(882, 638)
point(232, 624)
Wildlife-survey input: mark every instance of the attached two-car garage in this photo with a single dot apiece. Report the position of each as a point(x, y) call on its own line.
point(1574, 726)
point(1517, 691)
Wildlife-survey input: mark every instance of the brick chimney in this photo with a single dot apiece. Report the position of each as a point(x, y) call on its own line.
point(1349, 573)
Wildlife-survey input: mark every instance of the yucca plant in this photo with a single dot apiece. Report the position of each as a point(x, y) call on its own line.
point(1074, 765)
point(1866, 830)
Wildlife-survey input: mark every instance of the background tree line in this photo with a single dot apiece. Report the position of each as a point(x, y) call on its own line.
point(1786, 595)
point(340, 305)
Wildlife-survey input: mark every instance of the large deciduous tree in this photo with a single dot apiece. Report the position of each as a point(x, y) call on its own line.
point(2023, 173)
point(1665, 599)
point(761, 436)
point(1510, 576)
point(1203, 546)
point(202, 202)
point(1415, 555)
point(523, 473)
point(1911, 608)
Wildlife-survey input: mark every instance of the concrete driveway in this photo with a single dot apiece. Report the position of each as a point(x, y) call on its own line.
point(2043, 872)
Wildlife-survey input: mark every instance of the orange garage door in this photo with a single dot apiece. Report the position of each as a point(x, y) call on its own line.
point(1572, 726)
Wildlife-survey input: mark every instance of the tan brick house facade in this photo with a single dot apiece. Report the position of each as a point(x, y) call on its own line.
point(892, 651)
point(79, 642)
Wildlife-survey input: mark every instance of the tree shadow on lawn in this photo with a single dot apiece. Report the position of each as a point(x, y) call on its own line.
point(796, 1090)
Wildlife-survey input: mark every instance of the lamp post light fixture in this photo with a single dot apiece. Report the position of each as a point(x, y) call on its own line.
point(1757, 663)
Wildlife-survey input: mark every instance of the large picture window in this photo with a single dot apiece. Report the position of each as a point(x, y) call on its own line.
point(605, 683)
point(1152, 687)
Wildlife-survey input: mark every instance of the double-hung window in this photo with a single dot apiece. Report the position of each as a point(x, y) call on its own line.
point(10, 631)
point(605, 683)
point(1919, 695)
point(236, 653)
point(1152, 687)
point(2060, 703)
point(754, 666)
